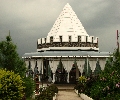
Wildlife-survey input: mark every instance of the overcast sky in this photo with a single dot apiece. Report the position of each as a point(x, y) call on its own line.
point(29, 20)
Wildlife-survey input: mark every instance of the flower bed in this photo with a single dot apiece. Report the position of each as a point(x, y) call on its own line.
point(48, 93)
point(105, 85)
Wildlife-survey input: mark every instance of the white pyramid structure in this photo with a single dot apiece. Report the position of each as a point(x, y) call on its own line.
point(68, 33)
point(67, 24)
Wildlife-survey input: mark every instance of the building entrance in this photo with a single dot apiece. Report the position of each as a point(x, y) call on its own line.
point(72, 78)
point(61, 74)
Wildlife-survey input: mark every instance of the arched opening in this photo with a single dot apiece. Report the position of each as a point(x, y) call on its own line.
point(74, 73)
point(61, 74)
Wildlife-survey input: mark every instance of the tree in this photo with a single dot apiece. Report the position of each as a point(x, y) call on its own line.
point(10, 60)
point(9, 57)
point(97, 69)
point(85, 68)
point(89, 70)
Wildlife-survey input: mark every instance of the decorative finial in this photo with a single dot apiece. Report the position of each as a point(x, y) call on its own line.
point(68, 4)
point(8, 38)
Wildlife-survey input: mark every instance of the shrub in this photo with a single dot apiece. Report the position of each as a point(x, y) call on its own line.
point(29, 85)
point(89, 83)
point(53, 88)
point(107, 84)
point(81, 84)
point(82, 79)
point(48, 93)
point(11, 85)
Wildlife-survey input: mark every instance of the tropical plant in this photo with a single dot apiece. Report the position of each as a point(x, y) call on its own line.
point(82, 79)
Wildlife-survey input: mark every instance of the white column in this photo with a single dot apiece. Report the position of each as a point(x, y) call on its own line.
point(93, 64)
point(42, 65)
point(39, 67)
point(53, 78)
point(68, 70)
point(32, 64)
point(50, 65)
point(67, 65)
point(70, 64)
point(87, 65)
point(102, 63)
point(77, 73)
point(27, 63)
point(80, 64)
point(39, 64)
point(68, 77)
point(53, 66)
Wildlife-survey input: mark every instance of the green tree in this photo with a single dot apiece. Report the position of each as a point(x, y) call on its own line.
point(97, 69)
point(89, 70)
point(85, 69)
point(10, 60)
point(9, 57)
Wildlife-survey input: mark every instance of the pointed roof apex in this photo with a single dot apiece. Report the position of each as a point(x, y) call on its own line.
point(67, 23)
point(67, 5)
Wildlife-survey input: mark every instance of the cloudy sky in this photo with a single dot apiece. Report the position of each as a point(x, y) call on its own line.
point(29, 20)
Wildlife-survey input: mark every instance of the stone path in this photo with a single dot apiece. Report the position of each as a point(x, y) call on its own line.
point(67, 95)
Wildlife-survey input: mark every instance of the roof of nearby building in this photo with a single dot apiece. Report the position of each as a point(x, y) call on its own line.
point(68, 53)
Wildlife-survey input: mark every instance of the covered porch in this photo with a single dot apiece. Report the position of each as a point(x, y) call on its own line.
point(63, 66)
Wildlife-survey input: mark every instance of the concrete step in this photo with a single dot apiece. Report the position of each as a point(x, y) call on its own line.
point(67, 87)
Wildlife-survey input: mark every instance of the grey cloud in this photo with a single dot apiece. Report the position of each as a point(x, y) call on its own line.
point(29, 20)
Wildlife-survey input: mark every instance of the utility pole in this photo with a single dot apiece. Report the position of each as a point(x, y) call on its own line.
point(117, 41)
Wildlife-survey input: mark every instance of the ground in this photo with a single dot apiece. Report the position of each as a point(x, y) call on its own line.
point(67, 95)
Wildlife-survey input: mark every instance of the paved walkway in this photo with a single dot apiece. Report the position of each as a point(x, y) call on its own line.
point(67, 95)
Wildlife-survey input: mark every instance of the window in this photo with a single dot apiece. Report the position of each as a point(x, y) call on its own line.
point(51, 39)
point(92, 39)
point(45, 40)
point(86, 38)
point(60, 38)
point(79, 38)
point(41, 40)
point(69, 38)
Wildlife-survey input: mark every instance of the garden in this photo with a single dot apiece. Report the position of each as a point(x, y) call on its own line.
point(47, 93)
point(102, 84)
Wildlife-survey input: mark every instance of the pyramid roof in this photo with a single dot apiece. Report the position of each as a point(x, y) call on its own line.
point(67, 24)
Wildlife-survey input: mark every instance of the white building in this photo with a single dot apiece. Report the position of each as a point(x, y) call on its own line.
point(66, 43)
